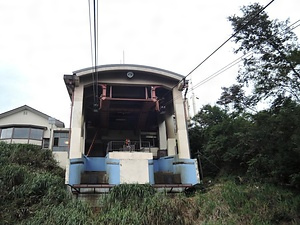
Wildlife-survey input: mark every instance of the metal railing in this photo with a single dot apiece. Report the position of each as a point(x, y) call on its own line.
point(137, 146)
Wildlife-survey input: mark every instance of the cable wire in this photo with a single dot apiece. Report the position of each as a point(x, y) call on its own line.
point(230, 65)
point(218, 48)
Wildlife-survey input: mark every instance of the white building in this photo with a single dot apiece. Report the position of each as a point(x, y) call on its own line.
point(29, 126)
point(128, 125)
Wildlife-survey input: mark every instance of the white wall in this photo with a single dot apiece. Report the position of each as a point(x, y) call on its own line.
point(134, 166)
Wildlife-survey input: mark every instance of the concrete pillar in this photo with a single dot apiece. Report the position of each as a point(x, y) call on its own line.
point(76, 146)
point(182, 135)
point(162, 134)
point(169, 122)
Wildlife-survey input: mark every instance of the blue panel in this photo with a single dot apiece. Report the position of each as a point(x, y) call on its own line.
point(113, 170)
point(186, 168)
point(151, 171)
point(155, 165)
point(166, 164)
point(75, 170)
point(94, 163)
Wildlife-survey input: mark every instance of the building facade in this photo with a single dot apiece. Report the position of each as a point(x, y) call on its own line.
point(26, 125)
point(128, 125)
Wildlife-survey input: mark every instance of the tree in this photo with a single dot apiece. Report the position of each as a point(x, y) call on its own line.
point(221, 139)
point(273, 70)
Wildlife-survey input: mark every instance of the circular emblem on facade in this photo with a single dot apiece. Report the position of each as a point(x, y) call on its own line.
point(130, 74)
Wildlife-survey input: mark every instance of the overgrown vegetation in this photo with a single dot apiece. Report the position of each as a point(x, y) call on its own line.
point(33, 192)
point(264, 146)
point(235, 137)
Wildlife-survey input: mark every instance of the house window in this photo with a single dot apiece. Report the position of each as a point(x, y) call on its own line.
point(46, 142)
point(6, 133)
point(60, 141)
point(36, 134)
point(21, 133)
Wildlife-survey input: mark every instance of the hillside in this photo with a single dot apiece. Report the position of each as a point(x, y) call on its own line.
point(33, 192)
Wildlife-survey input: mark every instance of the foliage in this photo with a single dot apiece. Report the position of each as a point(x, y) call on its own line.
point(265, 145)
point(273, 70)
point(29, 179)
point(255, 203)
point(219, 137)
point(139, 204)
point(69, 213)
point(32, 195)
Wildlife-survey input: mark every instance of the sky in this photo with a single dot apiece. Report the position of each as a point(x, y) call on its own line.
point(41, 40)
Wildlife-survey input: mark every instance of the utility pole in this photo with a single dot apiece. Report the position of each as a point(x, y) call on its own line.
point(199, 166)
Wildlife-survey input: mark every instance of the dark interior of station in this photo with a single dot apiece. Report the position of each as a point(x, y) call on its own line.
point(120, 112)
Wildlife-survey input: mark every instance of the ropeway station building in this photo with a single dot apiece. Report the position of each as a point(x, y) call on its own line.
point(128, 125)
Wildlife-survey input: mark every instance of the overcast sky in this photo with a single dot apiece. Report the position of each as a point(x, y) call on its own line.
point(41, 40)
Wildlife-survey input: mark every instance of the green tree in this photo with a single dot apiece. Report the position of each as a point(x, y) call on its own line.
point(273, 70)
point(264, 145)
point(221, 139)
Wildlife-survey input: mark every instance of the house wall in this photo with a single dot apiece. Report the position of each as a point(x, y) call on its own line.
point(27, 117)
point(62, 158)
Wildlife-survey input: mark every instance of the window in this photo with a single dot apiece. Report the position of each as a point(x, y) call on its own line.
point(6, 133)
point(46, 142)
point(36, 134)
point(21, 133)
point(61, 141)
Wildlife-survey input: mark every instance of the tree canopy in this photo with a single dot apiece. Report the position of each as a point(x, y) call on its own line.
point(272, 72)
point(234, 137)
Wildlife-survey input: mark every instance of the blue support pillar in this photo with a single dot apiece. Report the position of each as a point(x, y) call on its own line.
point(113, 170)
point(75, 170)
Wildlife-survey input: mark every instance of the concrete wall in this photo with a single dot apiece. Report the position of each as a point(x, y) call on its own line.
point(133, 166)
point(182, 135)
point(62, 158)
point(76, 140)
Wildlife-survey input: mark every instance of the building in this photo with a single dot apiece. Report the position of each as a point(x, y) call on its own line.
point(128, 125)
point(29, 126)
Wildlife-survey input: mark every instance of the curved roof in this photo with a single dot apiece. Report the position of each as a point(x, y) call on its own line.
point(117, 67)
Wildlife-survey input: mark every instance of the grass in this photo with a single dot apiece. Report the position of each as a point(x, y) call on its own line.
point(33, 192)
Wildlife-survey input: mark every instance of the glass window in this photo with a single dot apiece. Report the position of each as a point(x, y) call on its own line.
point(21, 132)
point(6, 133)
point(36, 134)
point(61, 141)
point(56, 140)
point(46, 142)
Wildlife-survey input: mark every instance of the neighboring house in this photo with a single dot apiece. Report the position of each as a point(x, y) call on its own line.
point(128, 125)
point(29, 126)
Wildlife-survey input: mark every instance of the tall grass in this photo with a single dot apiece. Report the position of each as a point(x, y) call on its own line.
point(249, 204)
point(139, 204)
point(34, 193)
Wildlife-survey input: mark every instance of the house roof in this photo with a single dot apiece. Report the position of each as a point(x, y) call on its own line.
point(58, 123)
point(129, 67)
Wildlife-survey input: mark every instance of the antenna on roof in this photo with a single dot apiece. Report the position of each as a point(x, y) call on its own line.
point(123, 57)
